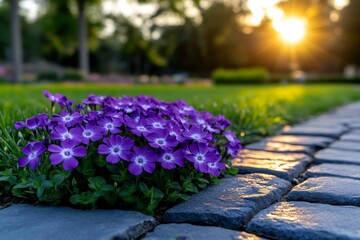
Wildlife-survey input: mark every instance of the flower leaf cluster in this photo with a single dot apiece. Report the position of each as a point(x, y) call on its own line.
point(114, 151)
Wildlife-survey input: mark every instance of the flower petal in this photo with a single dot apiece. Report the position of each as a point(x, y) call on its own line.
point(79, 151)
point(54, 148)
point(70, 163)
point(134, 169)
point(103, 149)
point(56, 158)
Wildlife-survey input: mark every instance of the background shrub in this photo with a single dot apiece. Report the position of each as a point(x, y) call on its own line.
point(73, 75)
point(51, 76)
point(243, 75)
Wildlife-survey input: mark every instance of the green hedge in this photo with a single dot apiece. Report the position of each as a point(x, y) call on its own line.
point(51, 76)
point(243, 75)
point(73, 76)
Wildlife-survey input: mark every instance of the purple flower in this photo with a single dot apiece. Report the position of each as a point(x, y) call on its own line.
point(67, 104)
point(66, 154)
point(116, 148)
point(138, 128)
point(170, 159)
point(33, 151)
point(216, 167)
point(161, 139)
point(67, 118)
point(198, 134)
point(156, 123)
point(89, 132)
point(55, 98)
point(41, 120)
point(61, 132)
point(142, 159)
point(199, 154)
point(233, 150)
point(231, 137)
point(222, 122)
point(176, 132)
point(109, 124)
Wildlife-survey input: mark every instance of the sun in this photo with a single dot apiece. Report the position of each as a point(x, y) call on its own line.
point(292, 30)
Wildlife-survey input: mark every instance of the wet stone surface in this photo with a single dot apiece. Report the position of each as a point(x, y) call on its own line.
point(192, 232)
point(335, 170)
point(29, 222)
point(351, 137)
point(331, 190)
point(337, 156)
point(257, 154)
point(334, 132)
point(287, 170)
point(313, 142)
point(280, 147)
point(346, 145)
point(231, 203)
point(307, 221)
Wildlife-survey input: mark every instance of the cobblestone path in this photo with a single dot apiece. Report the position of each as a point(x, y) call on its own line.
point(301, 184)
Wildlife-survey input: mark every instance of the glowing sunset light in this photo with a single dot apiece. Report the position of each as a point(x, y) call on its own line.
point(291, 30)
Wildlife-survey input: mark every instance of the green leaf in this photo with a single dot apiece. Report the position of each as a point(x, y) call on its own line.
point(157, 193)
point(232, 170)
point(107, 188)
point(144, 189)
point(58, 179)
point(174, 185)
point(40, 192)
point(96, 183)
point(183, 196)
point(47, 184)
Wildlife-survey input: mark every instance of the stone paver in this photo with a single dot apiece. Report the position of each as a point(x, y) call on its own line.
point(57, 223)
point(314, 142)
point(337, 156)
point(287, 170)
point(335, 170)
point(331, 190)
point(192, 232)
point(307, 221)
point(346, 145)
point(231, 203)
point(280, 147)
point(257, 154)
point(351, 136)
point(334, 132)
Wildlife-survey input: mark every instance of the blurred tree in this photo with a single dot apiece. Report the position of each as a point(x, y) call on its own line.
point(16, 46)
point(57, 30)
point(350, 35)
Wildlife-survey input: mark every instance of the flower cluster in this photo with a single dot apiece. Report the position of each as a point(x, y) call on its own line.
point(141, 132)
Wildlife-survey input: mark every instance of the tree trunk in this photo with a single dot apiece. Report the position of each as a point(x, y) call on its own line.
point(16, 49)
point(82, 41)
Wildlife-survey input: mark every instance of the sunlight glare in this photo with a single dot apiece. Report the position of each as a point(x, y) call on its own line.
point(291, 30)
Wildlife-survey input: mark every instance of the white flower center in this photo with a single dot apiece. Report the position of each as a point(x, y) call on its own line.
point(168, 157)
point(141, 129)
point(116, 150)
point(195, 136)
point(109, 126)
point(88, 133)
point(200, 158)
point(140, 160)
point(32, 155)
point(157, 125)
point(160, 141)
point(67, 136)
point(67, 118)
point(66, 153)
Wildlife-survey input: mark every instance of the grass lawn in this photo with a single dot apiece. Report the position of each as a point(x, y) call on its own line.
point(255, 111)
